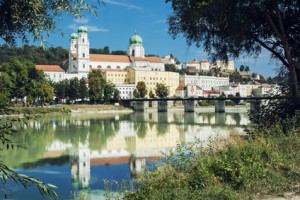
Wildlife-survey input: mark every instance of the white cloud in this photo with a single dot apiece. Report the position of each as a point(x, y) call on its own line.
point(96, 29)
point(123, 4)
point(90, 28)
point(81, 20)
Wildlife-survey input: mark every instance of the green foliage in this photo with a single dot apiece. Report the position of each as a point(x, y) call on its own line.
point(161, 90)
point(116, 96)
point(61, 89)
point(73, 89)
point(46, 93)
point(233, 28)
point(171, 68)
point(136, 94)
point(8, 127)
point(238, 171)
point(151, 94)
point(19, 19)
point(142, 89)
point(83, 89)
point(276, 117)
point(108, 91)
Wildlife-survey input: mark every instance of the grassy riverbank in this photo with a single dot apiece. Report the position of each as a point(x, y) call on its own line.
point(85, 108)
point(257, 169)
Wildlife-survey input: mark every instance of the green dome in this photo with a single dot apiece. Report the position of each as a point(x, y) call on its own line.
point(135, 39)
point(73, 36)
point(82, 29)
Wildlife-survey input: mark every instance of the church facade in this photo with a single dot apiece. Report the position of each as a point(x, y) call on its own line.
point(81, 62)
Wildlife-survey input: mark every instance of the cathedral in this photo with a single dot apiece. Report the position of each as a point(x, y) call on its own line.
point(81, 62)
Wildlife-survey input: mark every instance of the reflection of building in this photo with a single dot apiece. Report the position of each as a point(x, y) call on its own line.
point(80, 165)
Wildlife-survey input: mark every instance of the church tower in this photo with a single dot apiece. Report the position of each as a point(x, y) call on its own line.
point(136, 48)
point(83, 51)
point(72, 53)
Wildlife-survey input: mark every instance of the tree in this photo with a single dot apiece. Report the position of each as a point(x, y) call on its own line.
point(151, 94)
point(106, 50)
point(73, 89)
point(60, 89)
point(108, 91)
point(242, 68)
point(117, 95)
point(142, 89)
point(83, 89)
point(247, 69)
point(21, 19)
point(161, 90)
point(232, 28)
point(170, 68)
point(46, 93)
point(95, 92)
point(136, 93)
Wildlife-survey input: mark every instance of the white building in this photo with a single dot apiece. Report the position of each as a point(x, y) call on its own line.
point(53, 72)
point(126, 90)
point(204, 82)
point(81, 61)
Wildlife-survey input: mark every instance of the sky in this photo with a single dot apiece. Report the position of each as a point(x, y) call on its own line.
point(118, 20)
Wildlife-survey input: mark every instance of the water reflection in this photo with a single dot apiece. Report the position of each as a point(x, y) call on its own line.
point(110, 140)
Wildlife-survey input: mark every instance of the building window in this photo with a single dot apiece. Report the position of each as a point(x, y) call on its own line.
point(83, 65)
point(118, 67)
point(99, 66)
point(83, 55)
point(82, 39)
point(90, 66)
point(108, 67)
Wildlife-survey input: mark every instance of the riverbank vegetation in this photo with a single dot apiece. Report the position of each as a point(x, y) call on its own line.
point(243, 168)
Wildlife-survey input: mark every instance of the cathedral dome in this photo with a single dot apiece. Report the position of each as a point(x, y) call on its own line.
point(135, 39)
point(82, 29)
point(73, 36)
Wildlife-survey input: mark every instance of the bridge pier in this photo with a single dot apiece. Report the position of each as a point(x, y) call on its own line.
point(152, 104)
point(139, 106)
point(162, 106)
point(189, 106)
point(220, 106)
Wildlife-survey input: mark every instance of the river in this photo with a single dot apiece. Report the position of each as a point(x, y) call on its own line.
point(76, 152)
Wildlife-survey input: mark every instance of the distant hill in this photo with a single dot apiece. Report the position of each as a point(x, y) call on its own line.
point(37, 55)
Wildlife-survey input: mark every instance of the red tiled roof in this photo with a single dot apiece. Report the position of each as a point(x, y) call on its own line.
point(211, 92)
point(107, 70)
point(149, 59)
point(180, 87)
point(54, 68)
point(204, 60)
point(109, 58)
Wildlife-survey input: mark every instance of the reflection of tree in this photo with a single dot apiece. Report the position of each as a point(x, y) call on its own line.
point(100, 132)
point(162, 128)
point(141, 129)
point(35, 141)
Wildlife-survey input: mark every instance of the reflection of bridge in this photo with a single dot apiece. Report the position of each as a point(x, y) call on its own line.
point(189, 103)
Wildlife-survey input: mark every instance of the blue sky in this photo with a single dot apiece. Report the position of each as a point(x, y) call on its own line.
point(118, 20)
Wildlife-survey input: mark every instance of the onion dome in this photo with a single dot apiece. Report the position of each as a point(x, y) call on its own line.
point(73, 36)
point(135, 39)
point(82, 29)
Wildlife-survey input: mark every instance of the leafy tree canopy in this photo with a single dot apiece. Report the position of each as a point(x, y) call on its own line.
point(24, 18)
point(161, 90)
point(142, 88)
point(230, 28)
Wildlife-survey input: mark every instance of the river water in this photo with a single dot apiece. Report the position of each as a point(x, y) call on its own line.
point(76, 152)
